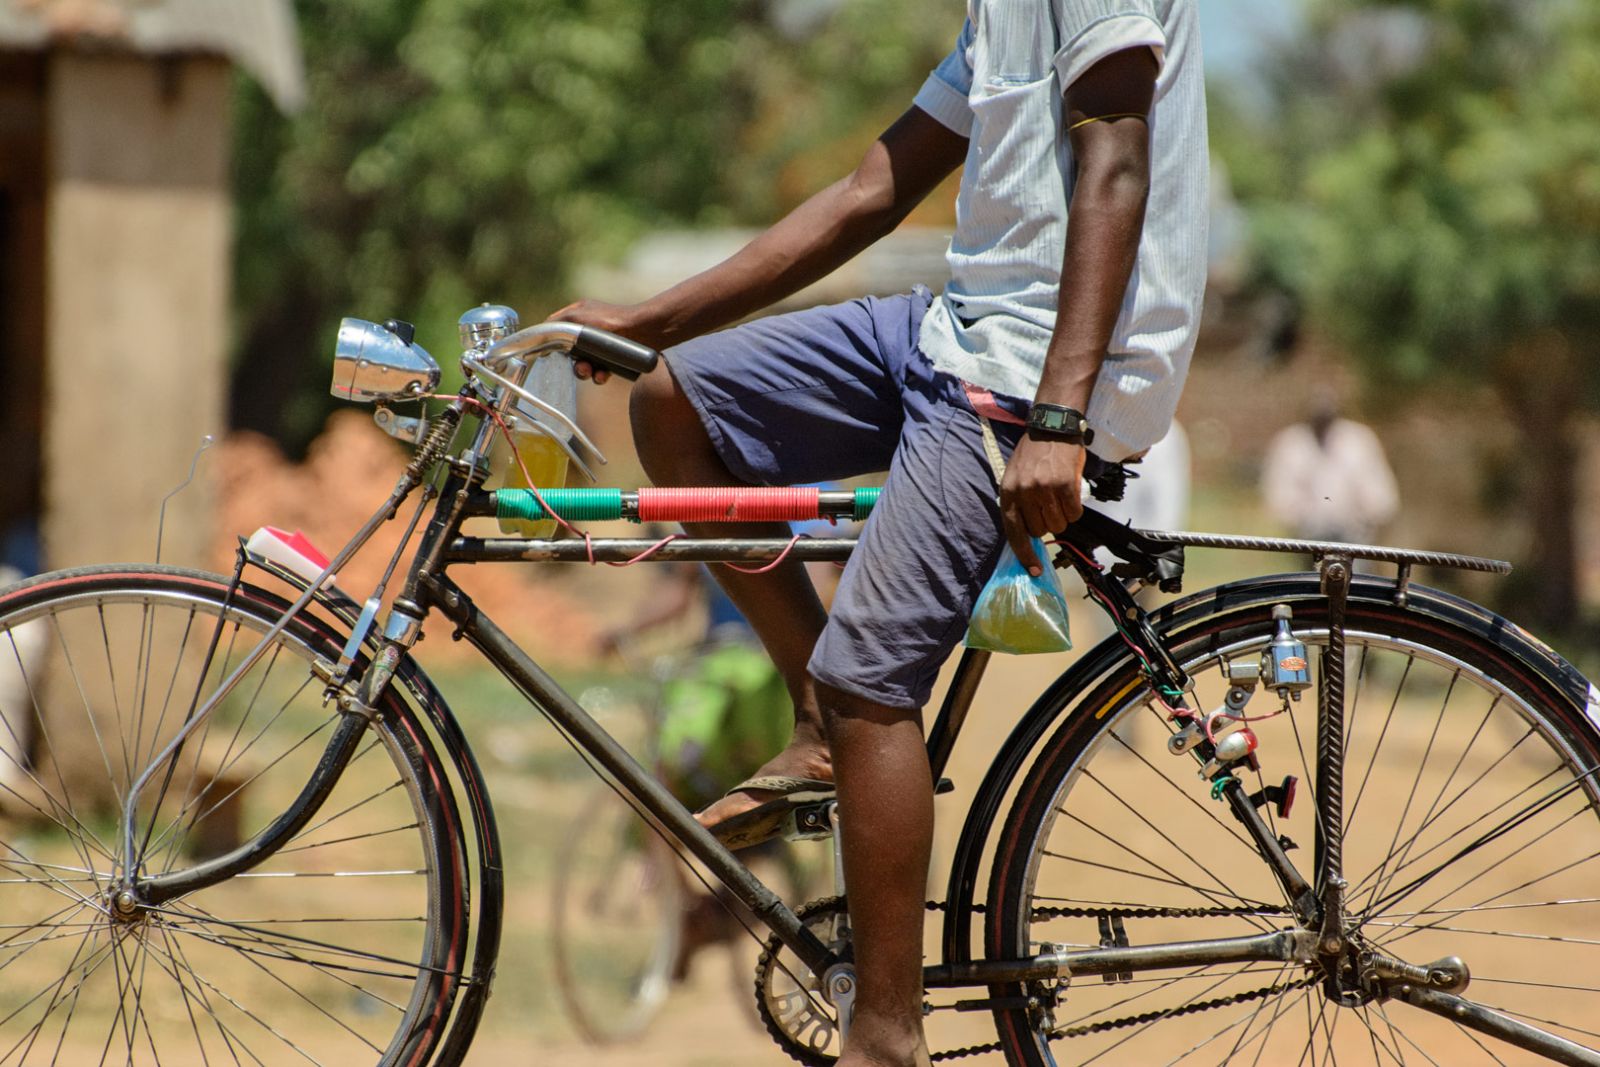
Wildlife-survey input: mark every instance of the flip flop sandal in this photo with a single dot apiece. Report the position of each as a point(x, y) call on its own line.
point(765, 820)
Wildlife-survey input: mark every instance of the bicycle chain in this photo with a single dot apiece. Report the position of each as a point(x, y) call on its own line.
point(1186, 1009)
point(813, 1059)
point(1059, 912)
point(1144, 1017)
point(1062, 912)
point(962, 1053)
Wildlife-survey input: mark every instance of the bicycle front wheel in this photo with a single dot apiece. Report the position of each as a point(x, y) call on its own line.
point(1471, 830)
point(344, 947)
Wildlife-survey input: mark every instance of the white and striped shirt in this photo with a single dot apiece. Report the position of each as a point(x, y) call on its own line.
point(1002, 88)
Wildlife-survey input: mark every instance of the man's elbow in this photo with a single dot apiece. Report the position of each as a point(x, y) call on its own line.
point(1119, 174)
point(873, 204)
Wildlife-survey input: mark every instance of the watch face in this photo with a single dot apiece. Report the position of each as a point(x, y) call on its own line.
point(1065, 422)
point(1053, 419)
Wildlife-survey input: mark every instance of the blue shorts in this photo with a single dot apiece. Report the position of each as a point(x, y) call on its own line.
point(836, 392)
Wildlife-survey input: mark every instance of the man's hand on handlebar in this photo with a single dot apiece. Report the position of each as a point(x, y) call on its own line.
point(623, 319)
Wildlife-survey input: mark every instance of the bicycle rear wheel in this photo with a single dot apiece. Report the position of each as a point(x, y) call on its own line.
point(1470, 808)
point(346, 946)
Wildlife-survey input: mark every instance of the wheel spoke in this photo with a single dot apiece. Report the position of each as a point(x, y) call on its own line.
point(1171, 877)
point(253, 1017)
point(1396, 853)
point(55, 989)
point(1383, 735)
point(177, 831)
point(1204, 872)
point(1174, 1010)
point(63, 805)
point(1471, 822)
point(1529, 812)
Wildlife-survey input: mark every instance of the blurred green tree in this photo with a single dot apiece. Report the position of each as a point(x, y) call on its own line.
point(455, 151)
point(1430, 187)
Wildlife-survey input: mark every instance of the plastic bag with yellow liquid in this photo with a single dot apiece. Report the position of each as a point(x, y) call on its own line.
point(1018, 613)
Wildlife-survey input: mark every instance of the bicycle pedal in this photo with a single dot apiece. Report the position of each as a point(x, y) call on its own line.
point(808, 822)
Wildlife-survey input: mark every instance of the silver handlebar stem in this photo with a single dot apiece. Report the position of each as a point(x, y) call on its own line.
point(538, 340)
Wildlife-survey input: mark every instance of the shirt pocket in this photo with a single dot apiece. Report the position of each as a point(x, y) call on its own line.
point(1014, 44)
point(999, 83)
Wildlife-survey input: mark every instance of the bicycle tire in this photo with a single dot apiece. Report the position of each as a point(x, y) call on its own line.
point(1453, 742)
point(617, 912)
point(346, 946)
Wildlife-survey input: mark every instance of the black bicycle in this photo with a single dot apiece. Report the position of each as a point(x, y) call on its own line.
point(1361, 819)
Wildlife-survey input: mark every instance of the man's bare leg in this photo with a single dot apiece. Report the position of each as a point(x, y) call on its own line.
point(885, 786)
point(781, 605)
point(886, 812)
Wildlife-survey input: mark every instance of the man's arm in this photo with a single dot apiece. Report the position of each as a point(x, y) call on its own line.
point(901, 168)
point(1040, 493)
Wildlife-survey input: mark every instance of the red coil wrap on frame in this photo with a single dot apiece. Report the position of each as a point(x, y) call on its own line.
point(733, 504)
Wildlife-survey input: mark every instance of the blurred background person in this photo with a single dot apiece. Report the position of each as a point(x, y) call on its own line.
point(1328, 478)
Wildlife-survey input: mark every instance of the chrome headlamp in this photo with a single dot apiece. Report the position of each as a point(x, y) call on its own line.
point(373, 363)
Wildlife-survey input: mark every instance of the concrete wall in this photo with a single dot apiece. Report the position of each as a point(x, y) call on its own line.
point(137, 269)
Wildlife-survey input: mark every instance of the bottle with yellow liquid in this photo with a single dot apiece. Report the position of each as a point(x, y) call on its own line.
point(536, 439)
point(535, 436)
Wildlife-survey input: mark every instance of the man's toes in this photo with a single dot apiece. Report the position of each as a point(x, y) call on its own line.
point(727, 807)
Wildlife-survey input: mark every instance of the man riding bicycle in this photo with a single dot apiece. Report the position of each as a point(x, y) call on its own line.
point(1050, 337)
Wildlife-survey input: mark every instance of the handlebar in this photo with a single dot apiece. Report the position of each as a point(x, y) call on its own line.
point(600, 347)
point(615, 353)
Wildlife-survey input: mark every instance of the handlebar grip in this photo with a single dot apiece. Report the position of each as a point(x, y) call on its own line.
point(616, 354)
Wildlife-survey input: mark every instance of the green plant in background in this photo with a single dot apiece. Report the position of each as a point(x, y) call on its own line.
point(463, 150)
point(1429, 185)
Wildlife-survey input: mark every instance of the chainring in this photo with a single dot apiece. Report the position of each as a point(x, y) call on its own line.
point(789, 998)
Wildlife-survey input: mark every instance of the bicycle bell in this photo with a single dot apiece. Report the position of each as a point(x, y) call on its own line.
point(485, 324)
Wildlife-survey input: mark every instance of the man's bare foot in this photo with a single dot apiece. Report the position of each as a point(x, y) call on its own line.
point(805, 757)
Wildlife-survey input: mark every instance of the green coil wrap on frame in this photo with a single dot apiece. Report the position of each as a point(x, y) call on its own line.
point(574, 505)
point(865, 500)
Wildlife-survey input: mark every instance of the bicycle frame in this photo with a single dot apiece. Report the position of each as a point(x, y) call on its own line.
point(1317, 906)
point(667, 813)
